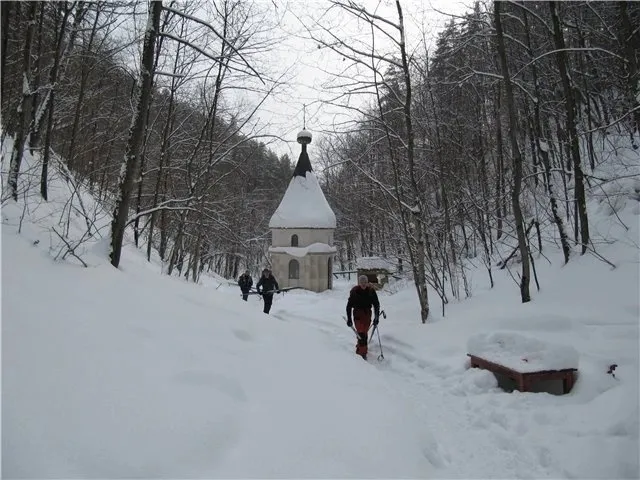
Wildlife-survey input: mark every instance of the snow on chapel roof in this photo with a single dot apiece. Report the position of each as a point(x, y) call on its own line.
point(303, 204)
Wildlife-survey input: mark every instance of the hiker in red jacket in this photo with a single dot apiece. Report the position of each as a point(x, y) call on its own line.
point(361, 298)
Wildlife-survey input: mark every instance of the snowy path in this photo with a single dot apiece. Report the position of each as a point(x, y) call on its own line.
point(475, 429)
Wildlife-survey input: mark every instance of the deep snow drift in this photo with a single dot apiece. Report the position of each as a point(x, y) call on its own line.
point(126, 373)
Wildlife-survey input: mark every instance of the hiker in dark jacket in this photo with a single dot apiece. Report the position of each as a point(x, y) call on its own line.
point(266, 286)
point(245, 282)
point(361, 298)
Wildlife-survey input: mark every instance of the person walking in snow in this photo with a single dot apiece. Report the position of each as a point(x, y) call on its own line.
point(266, 286)
point(361, 298)
point(245, 282)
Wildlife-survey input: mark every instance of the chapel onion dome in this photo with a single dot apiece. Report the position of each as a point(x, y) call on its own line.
point(304, 137)
point(303, 204)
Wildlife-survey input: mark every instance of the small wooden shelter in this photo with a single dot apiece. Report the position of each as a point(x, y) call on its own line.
point(377, 269)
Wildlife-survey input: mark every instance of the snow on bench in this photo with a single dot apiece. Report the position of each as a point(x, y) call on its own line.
point(524, 359)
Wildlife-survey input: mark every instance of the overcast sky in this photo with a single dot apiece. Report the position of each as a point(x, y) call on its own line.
point(307, 69)
point(307, 65)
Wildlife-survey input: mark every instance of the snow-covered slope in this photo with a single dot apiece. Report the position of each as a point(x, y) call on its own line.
point(125, 373)
point(113, 373)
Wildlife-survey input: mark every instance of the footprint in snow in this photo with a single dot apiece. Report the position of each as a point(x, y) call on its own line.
point(432, 452)
point(142, 332)
point(242, 335)
point(391, 339)
point(544, 457)
point(226, 385)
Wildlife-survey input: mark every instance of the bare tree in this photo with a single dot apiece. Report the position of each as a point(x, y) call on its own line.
point(24, 108)
point(49, 102)
point(630, 40)
point(136, 133)
point(6, 17)
point(574, 140)
point(391, 73)
point(517, 158)
point(542, 145)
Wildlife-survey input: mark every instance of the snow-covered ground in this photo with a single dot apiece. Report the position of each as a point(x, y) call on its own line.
point(130, 374)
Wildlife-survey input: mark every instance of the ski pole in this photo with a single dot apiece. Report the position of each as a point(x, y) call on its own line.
point(381, 356)
point(375, 327)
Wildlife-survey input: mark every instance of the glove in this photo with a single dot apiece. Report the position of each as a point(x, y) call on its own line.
point(376, 320)
point(349, 323)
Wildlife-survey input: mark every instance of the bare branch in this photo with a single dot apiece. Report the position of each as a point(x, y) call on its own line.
point(221, 37)
point(572, 49)
point(70, 249)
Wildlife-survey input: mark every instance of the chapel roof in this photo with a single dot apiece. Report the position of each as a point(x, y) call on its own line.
point(303, 204)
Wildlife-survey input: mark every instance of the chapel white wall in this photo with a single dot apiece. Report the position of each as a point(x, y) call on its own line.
point(314, 271)
point(281, 237)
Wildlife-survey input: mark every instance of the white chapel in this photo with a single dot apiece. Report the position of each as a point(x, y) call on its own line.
point(302, 230)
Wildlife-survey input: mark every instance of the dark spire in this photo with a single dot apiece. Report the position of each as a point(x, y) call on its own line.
point(304, 164)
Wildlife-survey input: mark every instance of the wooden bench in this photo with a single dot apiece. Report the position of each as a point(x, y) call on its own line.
point(524, 380)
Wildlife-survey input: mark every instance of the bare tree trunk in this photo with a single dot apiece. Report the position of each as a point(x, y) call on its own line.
point(140, 181)
point(53, 78)
point(136, 131)
point(559, 164)
point(195, 256)
point(573, 133)
point(631, 42)
point(419, 264)
point(589, 134)
point(543, 147)
point(163, 154)
point(500, 183)
point(517, 158)
point(6, 16)
point(484, 178)
point(177, 245)
point(34, 137)
point(42, 108)
point(23, 108)
point(164, 234)
point(485, 244)
point(447, 237)
point(166, 133)
point(84, 78)
point(532, 143)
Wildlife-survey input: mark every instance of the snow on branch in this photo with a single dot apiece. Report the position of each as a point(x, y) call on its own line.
point(614, 122)
point(169, 74)
point(533, 14)
point(162, 206)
